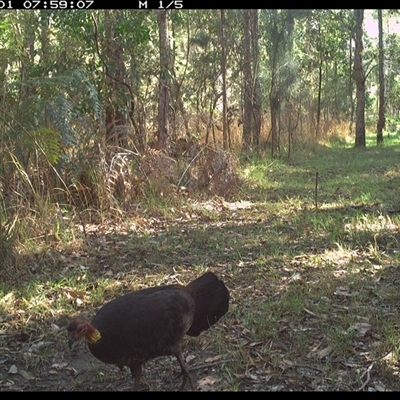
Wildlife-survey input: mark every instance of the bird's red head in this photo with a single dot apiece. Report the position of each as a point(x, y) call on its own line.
point(79, 328)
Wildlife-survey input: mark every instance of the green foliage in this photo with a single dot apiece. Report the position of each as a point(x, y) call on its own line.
point(47, 141)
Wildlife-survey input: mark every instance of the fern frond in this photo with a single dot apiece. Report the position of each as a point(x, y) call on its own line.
point(49, 142)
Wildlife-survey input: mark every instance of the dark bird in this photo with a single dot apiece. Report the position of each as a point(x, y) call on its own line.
point(150, 323)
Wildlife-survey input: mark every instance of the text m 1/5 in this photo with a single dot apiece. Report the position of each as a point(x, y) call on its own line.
point(175, 4)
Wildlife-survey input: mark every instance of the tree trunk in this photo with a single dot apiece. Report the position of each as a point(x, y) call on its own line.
point(274, 107)
point(256, 78)
point(164, 84)
point(319, 97)
point(381, 111)
point(27, 55)
point(274, 97)
point(251, 82)
point(359, 77)
point(224, 94)
point(247, 81)
point(350, 88)
point(44, 18)
point(116, 134)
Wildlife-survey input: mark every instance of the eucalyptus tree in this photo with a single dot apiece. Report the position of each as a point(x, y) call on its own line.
point(278, 28)
point(115, 75)
point(392, 55)
point(225, 127)
point(202, 91)
point(117, 52)
point(251, 80)
point(164, 82)
point(381, 104)
point(180, 50)
point(359, 77)
point(322, 38)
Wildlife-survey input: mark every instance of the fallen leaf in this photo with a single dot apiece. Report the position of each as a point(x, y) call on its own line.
point(190, 357)
point(343, 292)
point(53, 372)
point(212, 359)
point(54, 328)
point(205, 388)
point(208, 380)
point(390, 356)
point(310, 312)
point(256, 344)
point(361, 327)
point(206, 383)
point(25, 375)
point(380, 388)
point(13, 369)
point(59, 366)
point(71, 294)
point(252, 376)
point(324, 352)
point(288, 362)
point(351, 364)
point(295, 278)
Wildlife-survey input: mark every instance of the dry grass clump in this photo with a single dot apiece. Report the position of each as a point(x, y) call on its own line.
point(209, 169)
point(45, 203)
point(129, 177)
point(219, 172)
point(158, 171)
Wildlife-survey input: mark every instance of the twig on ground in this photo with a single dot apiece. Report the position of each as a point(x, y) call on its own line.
point(367, 372)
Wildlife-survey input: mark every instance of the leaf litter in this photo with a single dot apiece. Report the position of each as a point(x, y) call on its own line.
point(298, 320)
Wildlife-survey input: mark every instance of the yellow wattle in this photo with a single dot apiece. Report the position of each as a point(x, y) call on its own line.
point(96, 336)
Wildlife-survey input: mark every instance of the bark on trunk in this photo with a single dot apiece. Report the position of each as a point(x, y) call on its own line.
point(359, 77)
point(381, 111)
point(164, 84)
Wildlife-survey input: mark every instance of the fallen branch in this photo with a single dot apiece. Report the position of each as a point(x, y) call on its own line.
point(367, 372)
point(189, 165)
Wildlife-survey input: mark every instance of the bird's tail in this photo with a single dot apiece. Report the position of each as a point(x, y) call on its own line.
point(211, 302)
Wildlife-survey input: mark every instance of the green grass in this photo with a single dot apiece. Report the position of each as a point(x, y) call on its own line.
point(303, 280)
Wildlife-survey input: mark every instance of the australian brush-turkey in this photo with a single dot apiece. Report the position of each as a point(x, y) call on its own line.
point(150, 323)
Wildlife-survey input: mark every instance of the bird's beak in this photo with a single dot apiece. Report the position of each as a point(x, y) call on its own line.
point(71, 340)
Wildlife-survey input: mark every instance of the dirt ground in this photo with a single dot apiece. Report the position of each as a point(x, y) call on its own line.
point(295, 354)
point(78, 370)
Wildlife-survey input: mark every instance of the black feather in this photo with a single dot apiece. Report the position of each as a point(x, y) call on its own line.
point(150, 323)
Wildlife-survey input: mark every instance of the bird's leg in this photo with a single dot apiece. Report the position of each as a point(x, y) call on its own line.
point(136, 371)
point(185, 371)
